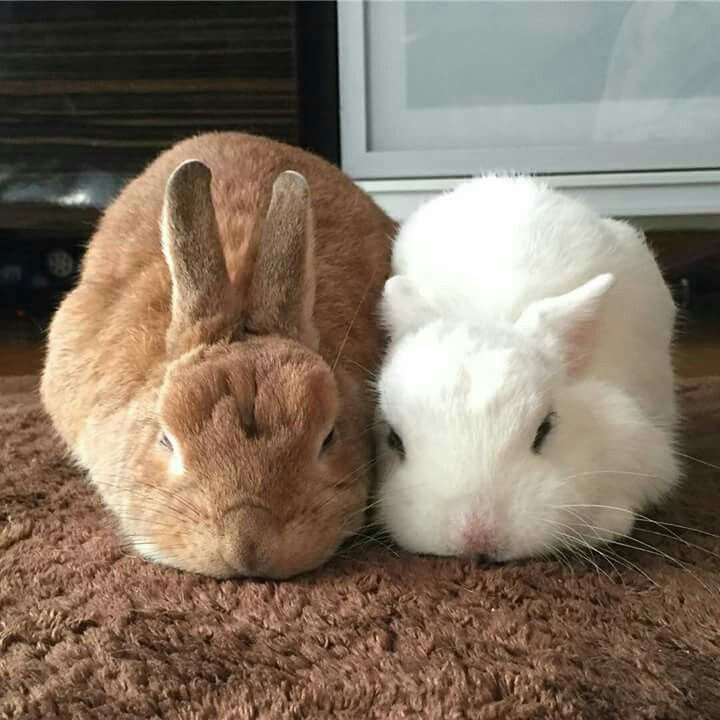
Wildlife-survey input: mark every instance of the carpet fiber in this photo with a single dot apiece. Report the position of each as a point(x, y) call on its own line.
point(88, 631)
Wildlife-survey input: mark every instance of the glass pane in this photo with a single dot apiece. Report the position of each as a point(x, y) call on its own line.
point(474, 75)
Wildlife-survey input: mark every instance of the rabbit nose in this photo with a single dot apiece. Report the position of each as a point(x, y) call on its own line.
point(247, 543)
point(478, 540)
point(249, 556)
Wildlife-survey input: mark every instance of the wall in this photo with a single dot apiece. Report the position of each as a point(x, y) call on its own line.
point(91, 91)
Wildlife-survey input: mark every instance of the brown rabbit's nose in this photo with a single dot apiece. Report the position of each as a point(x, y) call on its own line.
point(248, 557)
point(251, 542)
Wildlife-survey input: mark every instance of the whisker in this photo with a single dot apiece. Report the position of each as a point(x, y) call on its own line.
point(651, 551)
point(663, 524)
point(145, 491)
point(352, 321)
point(673, 536)
point(372, 375)
point(631, 565)
point(575, 538)
point(369, 540)
point(624, 561)
point(559, 553)
point(647, 548)
point(365, 508)
point(641, 546)
point(698, 460)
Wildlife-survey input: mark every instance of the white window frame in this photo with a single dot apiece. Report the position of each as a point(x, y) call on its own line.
point(642, 194)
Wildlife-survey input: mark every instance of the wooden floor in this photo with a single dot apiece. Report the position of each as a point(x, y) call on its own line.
point(21, 346)
point(697, 350)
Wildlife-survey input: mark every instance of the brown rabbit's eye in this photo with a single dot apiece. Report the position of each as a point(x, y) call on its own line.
point(165, 441)
point(542, 432)
point(395, 442)
point(328, 441)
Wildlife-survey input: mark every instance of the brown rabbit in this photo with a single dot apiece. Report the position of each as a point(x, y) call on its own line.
point(210, 368)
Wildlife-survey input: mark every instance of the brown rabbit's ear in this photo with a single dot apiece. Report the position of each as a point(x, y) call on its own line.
point(282, 289)
point(191, 245)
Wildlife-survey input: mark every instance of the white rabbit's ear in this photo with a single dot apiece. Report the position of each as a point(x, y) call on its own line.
point(403, 309)
point(568, 323)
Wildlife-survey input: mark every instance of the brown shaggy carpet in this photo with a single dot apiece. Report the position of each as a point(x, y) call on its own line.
point(87, 631)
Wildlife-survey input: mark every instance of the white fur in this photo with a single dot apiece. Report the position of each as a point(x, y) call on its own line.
point(510, 301)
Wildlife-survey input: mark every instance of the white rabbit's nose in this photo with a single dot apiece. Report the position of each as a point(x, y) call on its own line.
point(478, 537)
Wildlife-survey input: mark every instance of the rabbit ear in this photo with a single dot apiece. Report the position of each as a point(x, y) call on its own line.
point(568, 322)
point(281, 295)
point(403, 309)
point(191, 245)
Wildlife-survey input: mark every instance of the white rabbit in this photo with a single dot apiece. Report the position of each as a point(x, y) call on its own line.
point(526, 402)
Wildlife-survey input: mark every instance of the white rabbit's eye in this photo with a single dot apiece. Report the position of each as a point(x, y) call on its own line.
point(395, 442)
point(542, 432)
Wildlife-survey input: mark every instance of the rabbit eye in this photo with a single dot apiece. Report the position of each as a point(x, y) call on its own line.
point(542, 432)
point(395, 442)
point(164, 440)
point(328, 441)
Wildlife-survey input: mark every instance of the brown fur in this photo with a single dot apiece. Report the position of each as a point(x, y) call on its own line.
point(243, 339)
